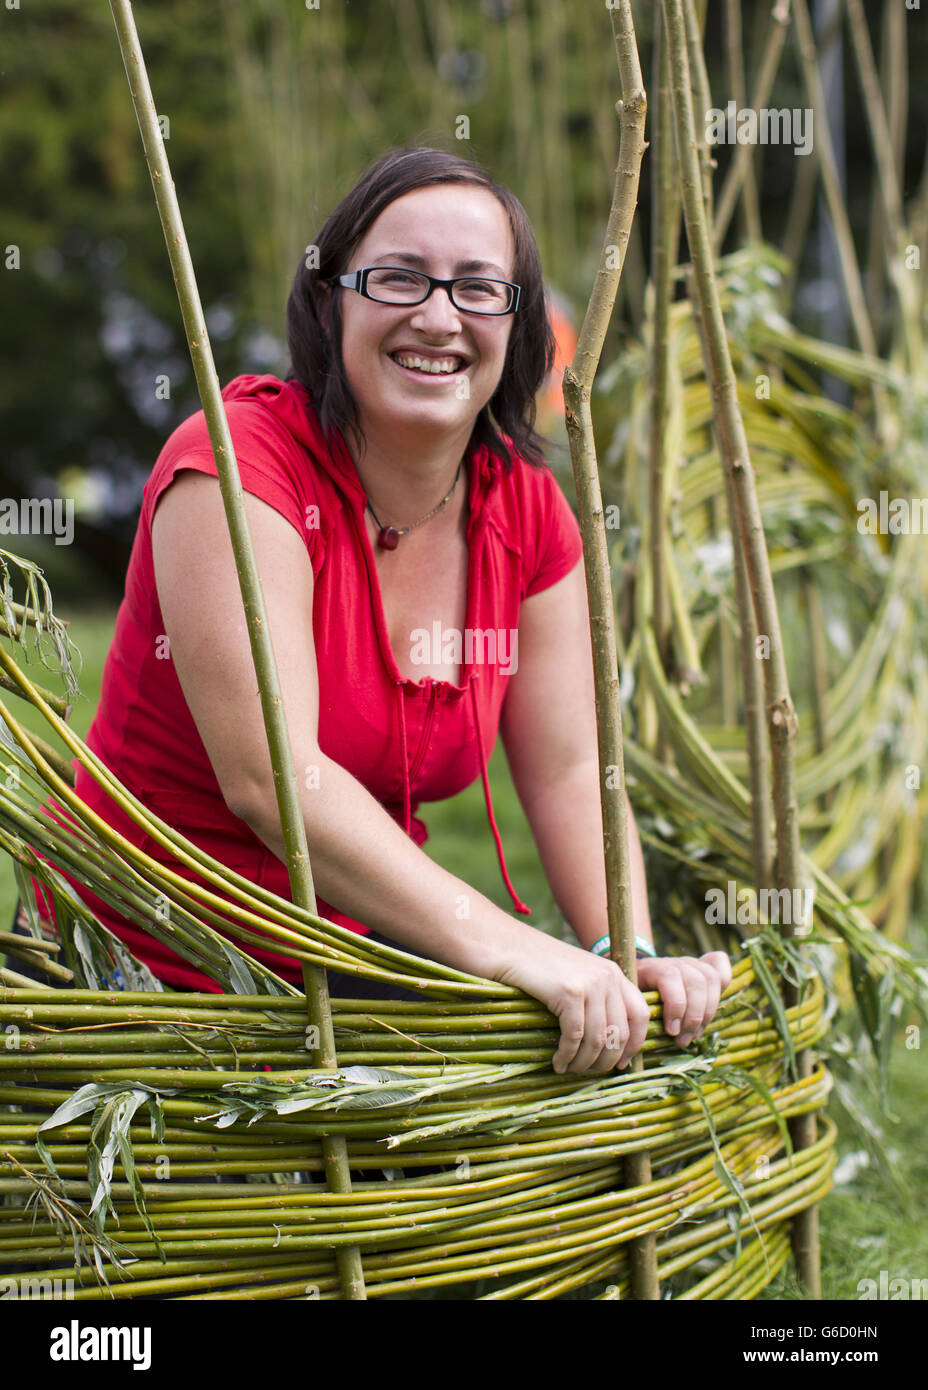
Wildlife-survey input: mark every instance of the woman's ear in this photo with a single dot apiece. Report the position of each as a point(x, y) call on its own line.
point(324, 305)
point(324, 309)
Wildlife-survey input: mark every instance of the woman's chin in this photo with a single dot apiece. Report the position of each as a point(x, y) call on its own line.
point(444, 416)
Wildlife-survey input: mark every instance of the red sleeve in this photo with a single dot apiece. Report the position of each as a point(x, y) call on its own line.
point(266, 464)
point(556, 535)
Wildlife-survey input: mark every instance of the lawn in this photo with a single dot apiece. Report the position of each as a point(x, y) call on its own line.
point(91, 629)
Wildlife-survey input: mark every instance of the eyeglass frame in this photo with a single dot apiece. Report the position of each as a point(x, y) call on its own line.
point(357, 280)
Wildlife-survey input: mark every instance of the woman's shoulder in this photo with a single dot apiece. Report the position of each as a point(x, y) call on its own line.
point(278, 444)
point(524, 480)
point(268, 418)
point(539, 517)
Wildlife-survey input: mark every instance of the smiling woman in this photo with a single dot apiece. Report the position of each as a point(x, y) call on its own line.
point(394, 482)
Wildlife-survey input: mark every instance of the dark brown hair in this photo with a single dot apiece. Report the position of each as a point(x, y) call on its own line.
point(315, 351)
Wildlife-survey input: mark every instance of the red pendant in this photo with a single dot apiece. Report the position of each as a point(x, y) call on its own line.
point(389, 538)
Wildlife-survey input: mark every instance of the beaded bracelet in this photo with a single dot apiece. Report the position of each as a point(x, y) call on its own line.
point(643, 947)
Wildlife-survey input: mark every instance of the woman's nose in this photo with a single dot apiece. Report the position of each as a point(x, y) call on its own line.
point(437, 313)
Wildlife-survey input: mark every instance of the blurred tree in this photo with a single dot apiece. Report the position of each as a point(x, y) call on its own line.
point(273, 109)
point(89, 319)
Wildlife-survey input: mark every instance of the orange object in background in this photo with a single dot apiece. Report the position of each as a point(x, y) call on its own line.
point(550, 397)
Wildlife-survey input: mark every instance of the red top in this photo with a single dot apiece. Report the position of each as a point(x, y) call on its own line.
point(406, 741)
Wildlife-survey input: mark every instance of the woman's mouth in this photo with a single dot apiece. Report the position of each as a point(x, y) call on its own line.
point(429, 368)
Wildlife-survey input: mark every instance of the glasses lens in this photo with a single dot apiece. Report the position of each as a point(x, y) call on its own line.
point(482, 296)
point(394, 286)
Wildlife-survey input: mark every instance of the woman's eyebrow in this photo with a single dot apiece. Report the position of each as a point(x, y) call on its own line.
point(462, 267)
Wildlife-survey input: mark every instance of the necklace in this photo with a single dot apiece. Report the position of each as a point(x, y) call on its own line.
point(389, 537)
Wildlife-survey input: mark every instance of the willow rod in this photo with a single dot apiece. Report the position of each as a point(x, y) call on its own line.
point(275, 722)
point(751, 684)
point(735, 53)
point(578, 384)
point(885, 162)
point(737, 462)
point(665, 235)
point(824, 151)
point(741, 167)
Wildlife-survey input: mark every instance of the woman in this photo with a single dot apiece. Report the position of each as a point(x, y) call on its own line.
point(424, 585)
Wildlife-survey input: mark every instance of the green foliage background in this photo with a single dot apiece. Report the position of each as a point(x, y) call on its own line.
point(273, 111)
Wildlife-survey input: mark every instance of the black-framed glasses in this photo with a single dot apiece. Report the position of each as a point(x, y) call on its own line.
point(392, 284)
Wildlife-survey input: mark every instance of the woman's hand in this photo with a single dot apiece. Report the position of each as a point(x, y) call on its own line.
point(603, 1017)
point(690, 990)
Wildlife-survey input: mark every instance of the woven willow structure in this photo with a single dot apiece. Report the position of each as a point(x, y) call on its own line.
point(529, 1199)
point(119, 1108)
point(474, 1166)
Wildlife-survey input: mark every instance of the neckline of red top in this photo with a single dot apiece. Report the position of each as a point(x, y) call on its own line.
point(483, 472)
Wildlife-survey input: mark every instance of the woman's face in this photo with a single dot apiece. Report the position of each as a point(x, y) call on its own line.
point(444, 230)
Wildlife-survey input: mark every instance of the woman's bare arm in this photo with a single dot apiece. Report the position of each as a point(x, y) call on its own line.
point(362, 861)
point(548, 727)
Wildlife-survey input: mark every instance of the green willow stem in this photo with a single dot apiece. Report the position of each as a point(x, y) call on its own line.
point(751, 682)
point(887, 182)
point(825, 158)
point(741, 173)
point(815, 626)
point(61, 706)
point(577, 386)
point(281, 754)
point(894, 84)
point(736, 460)
point(734, 52)
point(665, 232)
point(701, 95)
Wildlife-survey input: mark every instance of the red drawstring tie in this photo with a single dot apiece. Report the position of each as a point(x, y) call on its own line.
point(407, 813)
point(519, 905)
point(517, 901)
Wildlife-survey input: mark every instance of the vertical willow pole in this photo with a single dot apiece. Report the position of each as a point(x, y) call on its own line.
point(884, 158)
point(825, 154)
point(735, 53)
point(755, 727)
point(741, 167)
point(782, 722)
point(578, 383)
point(665, 239)
point(335, 1150)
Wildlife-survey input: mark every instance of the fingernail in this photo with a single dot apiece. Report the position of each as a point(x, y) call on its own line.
point(673, 1027)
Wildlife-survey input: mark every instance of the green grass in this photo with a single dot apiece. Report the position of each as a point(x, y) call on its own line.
point(91, 630)
point(878, 1220)
point(460, 839)
point(868, 1224)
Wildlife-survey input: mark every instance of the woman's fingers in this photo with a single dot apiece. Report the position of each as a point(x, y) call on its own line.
point(639, 1016)
point(571, 1018)
point(603, 1019)
point(696, 996)
point(720, 964)
point(604, 1034)
point(664, 975)
point(690, 990)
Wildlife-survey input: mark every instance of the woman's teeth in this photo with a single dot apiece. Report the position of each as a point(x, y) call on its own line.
point(434, 366)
